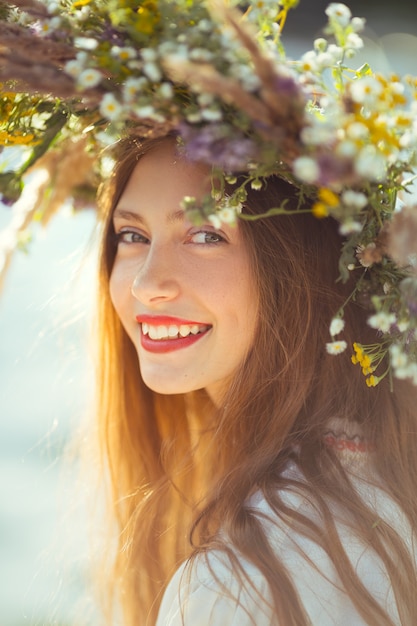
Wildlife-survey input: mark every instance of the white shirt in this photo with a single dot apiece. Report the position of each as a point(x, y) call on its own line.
point(198, 599)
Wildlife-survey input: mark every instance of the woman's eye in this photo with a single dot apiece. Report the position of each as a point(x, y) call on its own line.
point(207, 237)
point(130, 236)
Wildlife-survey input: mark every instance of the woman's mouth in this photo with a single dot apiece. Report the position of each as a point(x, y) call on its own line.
point(169, 336)
point(157, 333)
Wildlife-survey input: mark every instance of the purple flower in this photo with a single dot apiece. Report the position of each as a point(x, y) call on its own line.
point(213, 144)
point(5, 201)
point(287, 87)
point(114, 36)
point(408, 288)
point(334, 169)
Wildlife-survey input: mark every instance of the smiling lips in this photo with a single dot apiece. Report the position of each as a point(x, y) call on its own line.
point(166, 334)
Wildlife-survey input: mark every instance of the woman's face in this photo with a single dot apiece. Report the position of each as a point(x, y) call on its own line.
point(183, 293)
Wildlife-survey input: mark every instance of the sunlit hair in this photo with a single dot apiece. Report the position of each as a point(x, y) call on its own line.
point(180, 468)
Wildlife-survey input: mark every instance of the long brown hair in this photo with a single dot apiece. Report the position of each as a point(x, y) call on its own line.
point(180, 468)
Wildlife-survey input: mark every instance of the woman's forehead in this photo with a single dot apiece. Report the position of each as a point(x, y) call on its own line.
point(165, 174)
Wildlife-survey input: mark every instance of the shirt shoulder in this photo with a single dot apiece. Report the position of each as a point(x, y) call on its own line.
point(208, 592)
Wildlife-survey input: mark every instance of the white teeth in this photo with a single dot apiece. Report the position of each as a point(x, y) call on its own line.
point(172, 331)
point(162, 332)
point(158, 332)
point(153, 332)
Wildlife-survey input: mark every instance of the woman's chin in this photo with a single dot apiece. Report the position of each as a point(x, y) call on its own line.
point(169, 387)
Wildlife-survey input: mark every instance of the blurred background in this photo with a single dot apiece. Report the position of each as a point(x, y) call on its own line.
point(46, 371)
point(390, 34)
point(45, 383)
point(383, 16)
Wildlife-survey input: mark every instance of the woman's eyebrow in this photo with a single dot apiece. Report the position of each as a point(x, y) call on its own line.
point(175, 216)
point(127, 215)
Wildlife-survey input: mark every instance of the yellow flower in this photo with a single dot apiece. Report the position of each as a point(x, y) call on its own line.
point(328, 197)
point(365, 361)
point(319, 210)
point(358, 351)
point(147, 17)
point(80, 3)
point(369, 362)
point(16, 139)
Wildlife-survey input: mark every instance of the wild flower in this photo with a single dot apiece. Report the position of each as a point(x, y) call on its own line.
point(110, 107)
point(402, 365)
point(355, 199)
point(357, 24)
point(89, 78)
point(350, 226)
point(382, 321)
point(366, 90)
point(74, 67)
point(306, 169)
point(166, 91)
point(256, 184)
point(336, 347)
point(215, 220)
point(123, 53)
point(357, 131)
point(403, 325)
point(370, 357)
point(339, 13)
point(145, 111)
point(398, 358)
point(354, 42)
point(370, 164)
point(132, 87)
point(152, 71)
point(336, 326)
point(212, 114)
point(82, 14)
point(344, 136)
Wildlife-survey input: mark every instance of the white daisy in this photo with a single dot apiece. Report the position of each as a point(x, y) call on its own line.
point(110, 107)
point(89, 78)
point(336, 347)
point(306, 169)
point(382, 321)
point(339, 13)
point(336, 326)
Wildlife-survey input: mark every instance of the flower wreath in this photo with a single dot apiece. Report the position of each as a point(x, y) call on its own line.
point(78, 74)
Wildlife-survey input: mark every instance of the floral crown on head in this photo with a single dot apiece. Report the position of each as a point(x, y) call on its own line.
point(77, 75)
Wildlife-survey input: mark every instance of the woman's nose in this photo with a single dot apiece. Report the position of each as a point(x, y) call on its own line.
point(158, 278)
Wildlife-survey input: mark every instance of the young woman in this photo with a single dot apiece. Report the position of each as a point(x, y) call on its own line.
point(255, 478)
point(248, 466)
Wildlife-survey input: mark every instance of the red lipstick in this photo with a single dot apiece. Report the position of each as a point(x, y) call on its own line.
point(161, 346)
point(166, 320)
